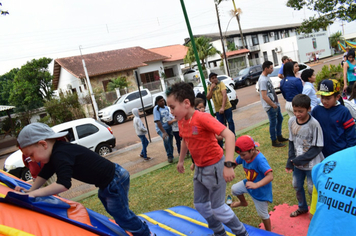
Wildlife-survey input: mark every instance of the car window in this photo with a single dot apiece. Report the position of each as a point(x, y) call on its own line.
point(132, 96)
point(222, 77)
point(275, 72)
point(244, 71)
point(70, 135)
point(258, 68)
point(302, 66)
point(189, 71)
point(144, 92)
point(86, 130)
point(228, 90)
point(254, 70)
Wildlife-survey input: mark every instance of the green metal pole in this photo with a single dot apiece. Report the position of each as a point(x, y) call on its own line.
point(196, 55)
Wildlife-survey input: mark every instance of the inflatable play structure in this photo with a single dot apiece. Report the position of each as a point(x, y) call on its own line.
point(23, 216)
point(348, 43)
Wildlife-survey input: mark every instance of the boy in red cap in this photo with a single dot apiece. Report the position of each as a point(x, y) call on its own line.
point(259, 176)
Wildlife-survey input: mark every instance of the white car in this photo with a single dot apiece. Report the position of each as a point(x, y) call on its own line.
point(87, 132)
point(276, 81)
point(227, 80)
point(231, 94)
point(191, 75)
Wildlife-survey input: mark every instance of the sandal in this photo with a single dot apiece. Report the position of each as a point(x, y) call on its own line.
point(298, 212)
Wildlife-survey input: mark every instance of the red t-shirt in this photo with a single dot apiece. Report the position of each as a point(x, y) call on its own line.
point(198, 133)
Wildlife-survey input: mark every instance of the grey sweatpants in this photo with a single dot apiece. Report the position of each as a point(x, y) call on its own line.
point(209, 199)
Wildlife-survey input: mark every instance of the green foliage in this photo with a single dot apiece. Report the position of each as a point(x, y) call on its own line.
point(334, 38)
point(64, 109)
point(32, 85)
point(204, 48)
point(328, 12)
point(331, 72)
point(120, 82)
point(231, 46)
point(100, 98)
point(6, 85)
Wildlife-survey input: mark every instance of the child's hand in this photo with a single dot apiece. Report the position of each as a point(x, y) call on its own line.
point(229, 174)
point(289, 170)
point(251, 185)
point(192, 167)
point(180, 167)
point(20, 189)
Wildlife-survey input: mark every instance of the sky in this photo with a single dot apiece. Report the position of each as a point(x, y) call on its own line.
point(55, 29)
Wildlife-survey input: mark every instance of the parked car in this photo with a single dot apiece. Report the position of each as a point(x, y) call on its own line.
point(191, 75)
point(231, 94)
point(122, 107)
point(87, 132)
point(276, 81)
point(248, 76)
point(227, 80)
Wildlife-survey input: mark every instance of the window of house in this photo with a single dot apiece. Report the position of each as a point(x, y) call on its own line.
point(169, 72)
point(265, 38)
point(74, 90)
point(254, 40)
point(105, 84)
point(149, 77)
point(276, 35)
point(80, 89)
point(265, 57)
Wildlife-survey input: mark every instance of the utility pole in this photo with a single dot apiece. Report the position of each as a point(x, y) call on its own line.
point(342, 25)
point(238, 22)
point(222, 40)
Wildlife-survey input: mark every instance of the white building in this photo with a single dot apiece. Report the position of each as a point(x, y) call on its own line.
point(271, 43)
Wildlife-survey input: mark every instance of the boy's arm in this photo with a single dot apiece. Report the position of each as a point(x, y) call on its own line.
point(183, 153)
point(307, 156)
point(224, 98)
point(350, 133)
point(345, 75)
point(267, 179)
point(291, 156)
point(51, 189)
point(159, 125)
point(210, 91)
point(229, 137)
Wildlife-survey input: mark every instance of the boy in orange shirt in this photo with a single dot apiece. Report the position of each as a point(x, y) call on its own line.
point(198, 131)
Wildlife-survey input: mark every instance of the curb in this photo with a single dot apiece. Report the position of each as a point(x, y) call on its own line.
point(163, 164)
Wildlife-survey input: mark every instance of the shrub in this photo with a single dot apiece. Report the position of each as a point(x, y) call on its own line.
point(331, 72)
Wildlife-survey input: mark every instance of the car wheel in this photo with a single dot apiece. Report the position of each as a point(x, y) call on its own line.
point(233, 104)
point(103, 149)
point(247, 82)
point(119, 117)
point(26, 174)
point(149, 111)
point(232, 85)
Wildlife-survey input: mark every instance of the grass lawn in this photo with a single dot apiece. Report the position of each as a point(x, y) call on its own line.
point(165, 188)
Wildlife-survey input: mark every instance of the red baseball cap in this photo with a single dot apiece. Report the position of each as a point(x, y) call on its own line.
point(245, 143)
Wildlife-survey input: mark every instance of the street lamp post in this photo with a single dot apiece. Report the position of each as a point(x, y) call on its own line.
point(226, 64)
point(238, 22)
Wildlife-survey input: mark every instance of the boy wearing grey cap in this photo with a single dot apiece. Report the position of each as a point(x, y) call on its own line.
point(39, 142)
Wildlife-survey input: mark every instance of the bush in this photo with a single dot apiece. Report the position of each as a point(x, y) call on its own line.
point(331, 72)
point(64, 109)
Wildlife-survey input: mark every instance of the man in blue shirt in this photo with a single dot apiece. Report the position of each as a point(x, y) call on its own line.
point(285, 59)
point(161, 117)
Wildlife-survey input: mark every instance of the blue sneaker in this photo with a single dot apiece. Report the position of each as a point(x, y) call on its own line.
point(229, 200)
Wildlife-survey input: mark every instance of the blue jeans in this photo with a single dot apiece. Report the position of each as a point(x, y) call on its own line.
point(116, 202)
point(144, 142)
point(168, 142)
point(298, 184)
point(275, 122)
point(178, 140)
point(226, 117)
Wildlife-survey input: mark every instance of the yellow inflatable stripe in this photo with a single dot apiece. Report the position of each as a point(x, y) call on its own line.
point(161, 225)
point(192, 220)
point(9, 231)
point(2, 195)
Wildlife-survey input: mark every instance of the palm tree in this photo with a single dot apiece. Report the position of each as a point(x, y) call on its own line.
point(120, 82)
point(204, 47)
point(334, 38)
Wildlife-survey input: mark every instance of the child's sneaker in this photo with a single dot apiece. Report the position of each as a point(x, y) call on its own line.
point(147, 159)
point(229, 200)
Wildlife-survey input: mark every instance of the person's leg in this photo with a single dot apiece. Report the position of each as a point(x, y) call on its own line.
point(178, 140)
point(309, 182)
point(170, 143)
point(215, 182)
point(272, 116)
point(144, 146)
point(115, 200)
point(298, 184)
point(262, 211)
point(279, 122)
point(238, 190)
point(230, 120)
point(165, 143)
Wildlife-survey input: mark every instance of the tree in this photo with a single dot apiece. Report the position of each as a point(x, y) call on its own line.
point(334, 38)
point(6, 85)
point(231, 46)
point(2, 12)
point(32, 85)
point(328, 12)
point(120, 82)
point(204, 47)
